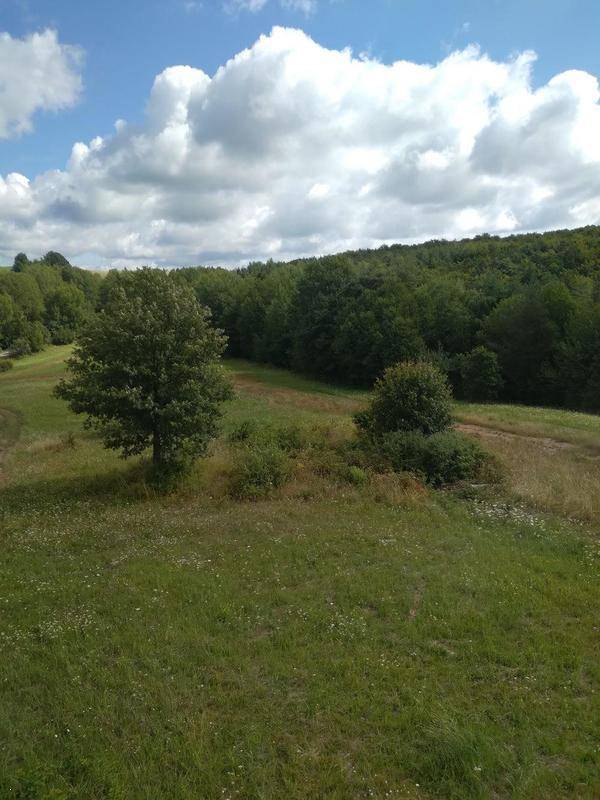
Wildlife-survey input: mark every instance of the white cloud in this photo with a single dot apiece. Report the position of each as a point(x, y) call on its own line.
point(36, 73)
point(293, 149)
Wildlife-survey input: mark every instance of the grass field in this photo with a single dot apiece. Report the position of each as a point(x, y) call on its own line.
point(331, 641)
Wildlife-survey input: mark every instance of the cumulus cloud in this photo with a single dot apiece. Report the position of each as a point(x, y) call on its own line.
point(293, 149)
point(36, 73)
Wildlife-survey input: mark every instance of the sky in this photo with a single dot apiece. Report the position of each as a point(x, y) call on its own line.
point(222, 131)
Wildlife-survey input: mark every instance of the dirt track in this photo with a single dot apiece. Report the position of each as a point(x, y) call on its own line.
point(492, 433)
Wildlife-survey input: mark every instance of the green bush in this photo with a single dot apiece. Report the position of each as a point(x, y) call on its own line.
point(5, 364)
point(20, 348)
point(257, 471)
point(290, 438)
point(63, 334)
point(409, 396)
point(443, 457)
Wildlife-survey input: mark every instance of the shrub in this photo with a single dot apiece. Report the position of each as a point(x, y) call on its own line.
point(356, 475)
point(20, 348)
point(63, 334)
point(443, 457)
point(5, 364)
point(257, 471)
point(290, 438)
point(409, 396)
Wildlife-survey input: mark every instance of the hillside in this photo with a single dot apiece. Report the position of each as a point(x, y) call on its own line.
point(335, 639)
point(515, 319)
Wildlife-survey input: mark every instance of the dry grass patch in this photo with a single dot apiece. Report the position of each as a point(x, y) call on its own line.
point(281, 396)
point(565, 480)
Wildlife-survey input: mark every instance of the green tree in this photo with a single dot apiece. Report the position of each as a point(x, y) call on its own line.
point(24, 290)
point(66, 309)
point(8, 316)
point(145, 371)
point(323, 289)
point(54, 259)
point(481, 379)
point(522, 334)
point(20, 261)
point(412, 396)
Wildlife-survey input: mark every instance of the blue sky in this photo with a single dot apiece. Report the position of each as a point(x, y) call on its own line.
point(128, 42)
point(296, 148)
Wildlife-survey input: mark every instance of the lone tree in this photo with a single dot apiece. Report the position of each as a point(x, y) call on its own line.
point(145, 371)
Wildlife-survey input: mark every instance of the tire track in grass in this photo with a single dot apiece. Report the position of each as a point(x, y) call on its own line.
point(488, 432)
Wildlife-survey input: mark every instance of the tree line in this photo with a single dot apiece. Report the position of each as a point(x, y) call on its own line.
point(515, 319)
point(44, 301)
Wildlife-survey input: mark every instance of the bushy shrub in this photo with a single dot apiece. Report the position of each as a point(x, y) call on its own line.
point(290, 438)
point(257, 471)
point(5, 364)
point(409, 396)
point(443, 457)
point(20, 348)
point(63, 334)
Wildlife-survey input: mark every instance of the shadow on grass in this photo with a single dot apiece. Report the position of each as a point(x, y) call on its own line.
point(116, 486)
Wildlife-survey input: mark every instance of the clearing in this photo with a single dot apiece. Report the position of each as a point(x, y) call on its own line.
point(333, 641)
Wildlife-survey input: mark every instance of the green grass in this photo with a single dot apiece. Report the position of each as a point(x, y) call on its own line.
point(336, 646)
point(567, 426)
point(281, 378)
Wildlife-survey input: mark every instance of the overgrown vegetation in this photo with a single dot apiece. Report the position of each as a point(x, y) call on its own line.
point(407, 425)
point(340, 638)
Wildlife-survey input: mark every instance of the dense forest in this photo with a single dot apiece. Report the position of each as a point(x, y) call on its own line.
point(515, 318)
point(43, 302)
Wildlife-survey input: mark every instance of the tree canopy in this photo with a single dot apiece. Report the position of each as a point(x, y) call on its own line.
point(145, 371)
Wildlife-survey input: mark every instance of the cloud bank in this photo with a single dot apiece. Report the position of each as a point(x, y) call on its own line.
point(293, 149)
point(36, 73)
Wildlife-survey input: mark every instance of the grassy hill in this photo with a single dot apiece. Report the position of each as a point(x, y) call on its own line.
point(332, 641)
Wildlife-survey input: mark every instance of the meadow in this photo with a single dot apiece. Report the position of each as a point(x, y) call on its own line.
point(333, 640)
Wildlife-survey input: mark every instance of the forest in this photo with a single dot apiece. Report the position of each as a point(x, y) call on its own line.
point(44, 302)
point(514, 319)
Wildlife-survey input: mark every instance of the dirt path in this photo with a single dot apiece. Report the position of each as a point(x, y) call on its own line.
point(492, 433)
